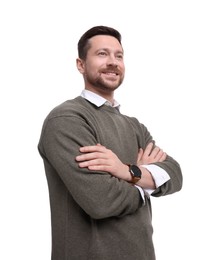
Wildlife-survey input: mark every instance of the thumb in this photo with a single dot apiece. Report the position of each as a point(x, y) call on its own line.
point(140, 154)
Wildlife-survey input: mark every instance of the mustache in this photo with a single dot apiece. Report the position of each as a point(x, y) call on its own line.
point(111, 70)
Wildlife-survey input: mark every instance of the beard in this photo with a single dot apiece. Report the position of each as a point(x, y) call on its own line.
point(103, 84)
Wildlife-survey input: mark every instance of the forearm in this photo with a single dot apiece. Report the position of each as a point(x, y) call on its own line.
point(175, 182)
point(99, 194)
point(146, 181)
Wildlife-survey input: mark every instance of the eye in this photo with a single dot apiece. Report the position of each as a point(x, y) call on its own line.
point(102, 53)
point(119, 56)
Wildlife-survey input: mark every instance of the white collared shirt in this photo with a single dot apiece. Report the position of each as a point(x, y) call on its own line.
point(97, 100)
point(159, 175)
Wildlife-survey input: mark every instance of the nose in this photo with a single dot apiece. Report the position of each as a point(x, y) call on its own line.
point(112, 61)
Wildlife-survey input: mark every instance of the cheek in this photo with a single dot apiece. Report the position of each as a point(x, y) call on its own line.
point(122, 69)
point(122, 66)
point(92, 71)
point(93, 66)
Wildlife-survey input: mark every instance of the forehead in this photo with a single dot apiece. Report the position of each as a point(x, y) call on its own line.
point(105, 42)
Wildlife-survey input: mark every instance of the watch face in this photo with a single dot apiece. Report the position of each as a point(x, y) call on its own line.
point(135, 171)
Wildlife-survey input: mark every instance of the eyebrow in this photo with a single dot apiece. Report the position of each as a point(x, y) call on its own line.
point(106, 49)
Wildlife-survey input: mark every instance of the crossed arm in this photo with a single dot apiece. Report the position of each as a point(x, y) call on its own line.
point(99, 158)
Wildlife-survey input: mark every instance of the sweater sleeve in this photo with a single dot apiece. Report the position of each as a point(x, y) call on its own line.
point(170, 165)
point(174, 184)
point(98, 193)
point(172, 168)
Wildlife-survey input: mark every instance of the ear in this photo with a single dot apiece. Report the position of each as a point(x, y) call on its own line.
point(80, 65)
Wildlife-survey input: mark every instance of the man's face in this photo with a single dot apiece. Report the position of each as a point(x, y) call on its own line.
point(103, 69)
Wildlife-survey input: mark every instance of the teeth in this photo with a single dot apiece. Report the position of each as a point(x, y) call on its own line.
point(111, 73)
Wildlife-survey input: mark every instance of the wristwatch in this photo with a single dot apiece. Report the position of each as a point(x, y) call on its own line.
point(135, 173)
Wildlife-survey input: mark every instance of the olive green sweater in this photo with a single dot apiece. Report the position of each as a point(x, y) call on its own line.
point(96, 216)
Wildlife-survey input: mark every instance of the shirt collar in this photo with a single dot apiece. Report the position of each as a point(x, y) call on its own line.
point(98, 100)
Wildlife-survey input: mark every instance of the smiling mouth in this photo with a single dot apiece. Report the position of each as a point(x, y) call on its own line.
point(111, 73)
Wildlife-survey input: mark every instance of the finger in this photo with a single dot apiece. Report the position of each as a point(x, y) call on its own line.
point(159, 154)
point(94, 162)
point(98, 144)
point(155, 152)
point(148, 149)
point(89, 156)
point(92, 148)
point(163, 157)
point(140, 154)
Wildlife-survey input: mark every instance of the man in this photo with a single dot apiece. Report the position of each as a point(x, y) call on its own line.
point(102, 166)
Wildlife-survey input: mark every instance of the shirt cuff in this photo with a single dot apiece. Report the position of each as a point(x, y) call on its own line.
point(141, 193)
point(159, 175)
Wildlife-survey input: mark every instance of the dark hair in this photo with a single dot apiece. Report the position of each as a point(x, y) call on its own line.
point(83, 43)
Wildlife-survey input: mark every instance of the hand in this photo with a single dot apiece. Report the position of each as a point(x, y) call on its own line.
point(99, 158)
point(150, 155)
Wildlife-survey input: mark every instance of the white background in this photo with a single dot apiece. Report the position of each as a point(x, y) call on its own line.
point(170, 76)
